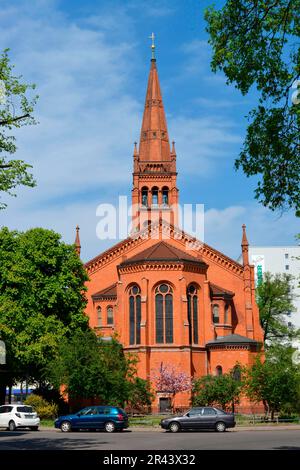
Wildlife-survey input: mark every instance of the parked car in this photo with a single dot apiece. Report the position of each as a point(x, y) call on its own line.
point(18, 416)
point(109, 418)
point(200, 418)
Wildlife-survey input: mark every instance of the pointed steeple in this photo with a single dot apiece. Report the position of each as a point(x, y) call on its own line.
point(77, 241)
point(154, 192)
point(245, 247)
point(154, 141)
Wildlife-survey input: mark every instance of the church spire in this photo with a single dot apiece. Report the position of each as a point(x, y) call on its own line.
point(245, 247)
point(154, 140)
point(154, 192)
point(77, 241)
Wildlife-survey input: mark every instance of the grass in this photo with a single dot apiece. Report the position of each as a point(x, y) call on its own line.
point(48, 423)
point(147, 421)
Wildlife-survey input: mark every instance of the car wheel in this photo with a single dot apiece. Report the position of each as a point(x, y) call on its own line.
point(34, 428)
point(12, 426)
point(65, 426)
point(220, 427)
point(109, 426)
point(174, 427)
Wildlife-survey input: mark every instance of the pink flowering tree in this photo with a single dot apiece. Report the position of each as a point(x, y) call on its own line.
point(168, 379)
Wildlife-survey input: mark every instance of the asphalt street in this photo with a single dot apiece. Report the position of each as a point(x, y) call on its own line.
point(149, 440)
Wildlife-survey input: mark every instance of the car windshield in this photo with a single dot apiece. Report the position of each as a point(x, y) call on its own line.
point(25, 409)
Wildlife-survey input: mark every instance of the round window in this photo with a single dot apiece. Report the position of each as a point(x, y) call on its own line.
point(163, 288)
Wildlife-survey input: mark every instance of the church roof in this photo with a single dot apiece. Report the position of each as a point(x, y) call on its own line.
point(121, 247)
point(162, 251)
point(217, 291)
point(231, 339)
point(107, 293)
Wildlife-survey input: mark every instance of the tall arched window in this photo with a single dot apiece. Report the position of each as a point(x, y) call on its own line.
point(135, 315)
point(99, 316)
point(215, 314)
point(165, 195)
point(110, 316)
point(219, 370)
point(145, 196)
point(237, 373)
point(164, 313)
point(155, 196)
point(192, 296)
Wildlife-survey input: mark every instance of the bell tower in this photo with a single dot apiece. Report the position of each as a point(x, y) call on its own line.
point(154, 193)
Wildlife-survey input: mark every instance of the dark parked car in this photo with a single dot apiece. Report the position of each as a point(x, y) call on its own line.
point(200, 418)
point(109, 418)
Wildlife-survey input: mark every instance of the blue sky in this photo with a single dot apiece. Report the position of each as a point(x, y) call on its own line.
point(90, 61)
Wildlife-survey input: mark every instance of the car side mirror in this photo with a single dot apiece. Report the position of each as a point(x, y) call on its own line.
point(188, 415)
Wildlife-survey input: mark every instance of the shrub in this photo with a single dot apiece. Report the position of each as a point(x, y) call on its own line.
point(44, 409)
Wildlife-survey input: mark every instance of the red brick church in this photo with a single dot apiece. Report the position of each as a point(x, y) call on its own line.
point(170, 298)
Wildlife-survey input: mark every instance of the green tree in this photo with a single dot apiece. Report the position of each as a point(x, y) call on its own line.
point(274, 298)
point(92, 368)
point(140, 395)
point(16, 110)
point(256, 43)
point(42, 299)
point(275, 382)
point(221, 390)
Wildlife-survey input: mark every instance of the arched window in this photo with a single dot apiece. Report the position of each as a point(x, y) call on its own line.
point(164, 313)
point(99, 316)
point(215, 314)
point(110, 316)
point(135, 315)
point(165, 196)
point(237, 374)
point(155, 196)
point(226, 314)
point(219, 370)
point(144, 196)
point(192, 297)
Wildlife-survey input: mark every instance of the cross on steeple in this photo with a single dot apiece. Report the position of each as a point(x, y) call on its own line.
point(152, 45)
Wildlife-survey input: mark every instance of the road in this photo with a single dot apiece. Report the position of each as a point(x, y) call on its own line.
point(147, 439)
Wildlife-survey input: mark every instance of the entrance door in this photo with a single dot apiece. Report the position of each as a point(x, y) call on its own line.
point(164, 405)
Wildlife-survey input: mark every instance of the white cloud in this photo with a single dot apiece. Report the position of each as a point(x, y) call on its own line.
point(87, 120)
point(223, 228)
point(206, 141)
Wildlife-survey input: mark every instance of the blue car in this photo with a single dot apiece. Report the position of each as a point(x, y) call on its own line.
point(109, 418)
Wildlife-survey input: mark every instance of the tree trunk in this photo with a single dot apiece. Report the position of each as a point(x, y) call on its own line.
point(2, 393)
point(267, 409)
point(9, 393)
point(21, 390)
point(26, 389)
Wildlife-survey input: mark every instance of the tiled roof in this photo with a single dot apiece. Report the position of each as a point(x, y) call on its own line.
point(162, 251)
point(232, 339)
point(217, 291)
point(107, 293)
